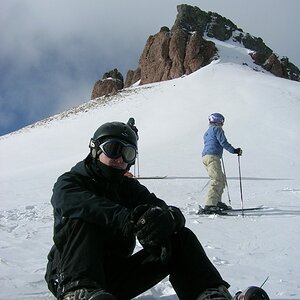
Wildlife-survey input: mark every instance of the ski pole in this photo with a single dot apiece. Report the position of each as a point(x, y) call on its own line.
point(226, 184)
point(138, 164)
point(264, 282)
point(131, 123)
point(206, 184)
point(241, 190)
point(134, 170)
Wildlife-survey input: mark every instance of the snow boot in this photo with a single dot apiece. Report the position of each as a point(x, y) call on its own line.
point(211, 210)
point(223, 206)
point(252, 293)
point(219, 293)
point(84, 294)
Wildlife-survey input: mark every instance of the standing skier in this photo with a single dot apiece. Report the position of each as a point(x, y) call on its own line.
point(214, 143)
point(99, 213)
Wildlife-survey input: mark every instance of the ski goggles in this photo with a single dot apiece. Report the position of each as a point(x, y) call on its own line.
point(116, 148)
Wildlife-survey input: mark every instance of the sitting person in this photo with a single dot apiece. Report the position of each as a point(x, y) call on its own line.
point(99, 213)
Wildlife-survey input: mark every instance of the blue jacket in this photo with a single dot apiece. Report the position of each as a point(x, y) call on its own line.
point(214, 142)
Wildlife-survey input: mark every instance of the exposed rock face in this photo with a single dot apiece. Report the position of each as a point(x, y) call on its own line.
point(199, 53)
point(171, 54)
point(213, 25)
point(110, 84)
point(182, 50)
point(132, 77)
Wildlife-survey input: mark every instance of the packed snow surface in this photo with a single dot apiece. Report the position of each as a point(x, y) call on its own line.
point(261, 116)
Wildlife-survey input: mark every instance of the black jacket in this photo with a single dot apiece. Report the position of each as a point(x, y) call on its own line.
point(84, 194)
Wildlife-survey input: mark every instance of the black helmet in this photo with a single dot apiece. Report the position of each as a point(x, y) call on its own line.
point(117, 130)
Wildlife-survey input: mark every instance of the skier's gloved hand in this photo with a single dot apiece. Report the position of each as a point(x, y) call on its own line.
point(133, 217)
point(238, 151)
point(136, 214)
point(157, 224)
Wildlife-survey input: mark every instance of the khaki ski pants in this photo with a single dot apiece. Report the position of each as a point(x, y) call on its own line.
point(213, 167)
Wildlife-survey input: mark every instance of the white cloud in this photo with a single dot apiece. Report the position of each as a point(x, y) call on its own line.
point(76, 42)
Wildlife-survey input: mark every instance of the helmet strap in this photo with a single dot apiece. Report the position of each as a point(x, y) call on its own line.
point(94, 146)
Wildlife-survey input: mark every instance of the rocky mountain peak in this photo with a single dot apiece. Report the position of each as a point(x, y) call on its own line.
point(186, 47)
point(192, 18)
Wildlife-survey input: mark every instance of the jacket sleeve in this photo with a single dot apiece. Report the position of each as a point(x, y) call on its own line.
point(141, 195)
point(220, 135)
point(72, 199)
point(151, 199)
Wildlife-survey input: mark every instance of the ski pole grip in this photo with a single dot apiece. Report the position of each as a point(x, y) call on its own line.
point(131, 122)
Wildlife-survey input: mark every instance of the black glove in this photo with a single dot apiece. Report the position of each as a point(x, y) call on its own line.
point(138, 212)
point(133, 217)
point(238, 151)
point(154, 228)
point(157, 224)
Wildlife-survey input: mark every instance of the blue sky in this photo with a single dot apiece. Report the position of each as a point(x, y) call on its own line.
point(53, 51)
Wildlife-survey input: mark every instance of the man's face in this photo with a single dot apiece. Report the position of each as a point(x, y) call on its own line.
point(117, 163)
point(117, 153)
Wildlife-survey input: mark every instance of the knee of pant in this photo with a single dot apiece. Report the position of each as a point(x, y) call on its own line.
point(183, 235)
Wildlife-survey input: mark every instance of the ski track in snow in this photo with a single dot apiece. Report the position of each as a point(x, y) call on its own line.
point(23, 230)
point(254, 226)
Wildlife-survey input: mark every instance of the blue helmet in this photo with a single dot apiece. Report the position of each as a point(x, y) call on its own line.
point(216, 118)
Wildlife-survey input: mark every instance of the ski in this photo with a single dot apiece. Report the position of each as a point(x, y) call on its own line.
point(149, 177)
point(206, 177)
point(232, 212)
point(245, 209)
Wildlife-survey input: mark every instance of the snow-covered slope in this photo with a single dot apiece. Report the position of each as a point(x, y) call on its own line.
point(262, 117)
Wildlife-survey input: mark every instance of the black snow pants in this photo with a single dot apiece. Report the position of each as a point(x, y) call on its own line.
point(83, 261)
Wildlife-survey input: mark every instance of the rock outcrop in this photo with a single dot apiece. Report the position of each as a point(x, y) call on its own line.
point(183, 49)
point(171, 54)
point(215, 26)
point(110, 84)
